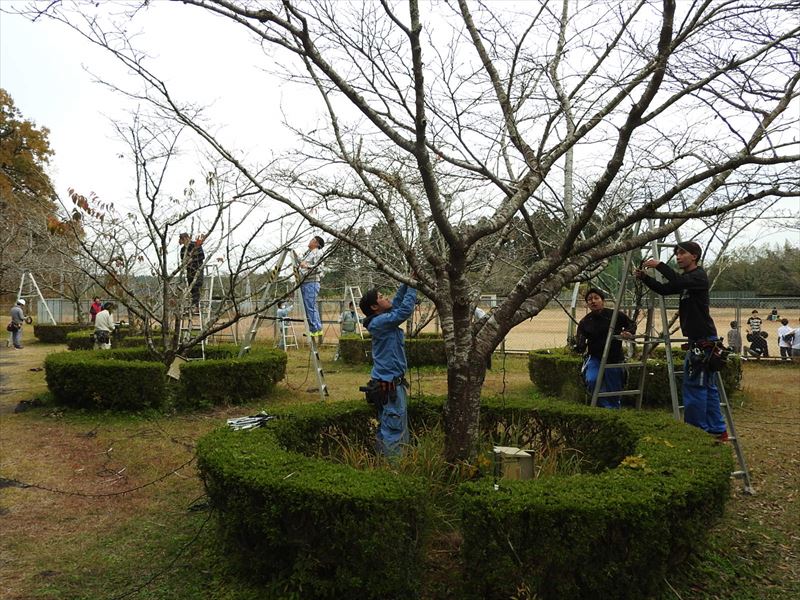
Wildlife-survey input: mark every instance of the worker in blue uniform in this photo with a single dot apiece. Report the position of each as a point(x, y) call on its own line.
point(383, 320)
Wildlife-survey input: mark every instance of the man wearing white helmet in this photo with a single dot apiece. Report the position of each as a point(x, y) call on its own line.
point(15, 327)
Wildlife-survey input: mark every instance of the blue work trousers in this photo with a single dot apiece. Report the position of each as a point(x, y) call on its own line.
point(701, 399)
point(393, 424)
point(613, 381)
point(310, 291)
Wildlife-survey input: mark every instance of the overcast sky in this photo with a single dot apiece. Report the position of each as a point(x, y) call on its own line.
point(43, 66)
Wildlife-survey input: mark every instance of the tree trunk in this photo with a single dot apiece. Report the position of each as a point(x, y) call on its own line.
point(462, 410)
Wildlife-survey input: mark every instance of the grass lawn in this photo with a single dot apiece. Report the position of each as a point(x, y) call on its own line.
point(158, 542)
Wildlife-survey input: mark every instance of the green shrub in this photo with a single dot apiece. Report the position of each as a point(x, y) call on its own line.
point(652, 489)
point(556, 372)
point(84, 340)
point(64, 332)
point(420, 351)
point(113, 379)
point(324, 530)
point(355, 351)
point(56, 334)
point(133, 378)
point(613, 534)
point(230, 379)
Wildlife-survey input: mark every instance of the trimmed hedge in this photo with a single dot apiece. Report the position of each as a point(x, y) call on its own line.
point(325, 530)
point(556, 372)
point(611, 535)
point(56, 334)
point(112, 379)
point(130, 378)
point(421, 351)
point(84, 340)
point(231, 380)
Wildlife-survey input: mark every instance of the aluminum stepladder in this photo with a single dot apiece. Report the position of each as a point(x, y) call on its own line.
point(650, 340)
point(266, 299)
point(191, 323)
point(214, 282)
point(312, 340)
point(286, 333)
point(33, 291)
point(352, 293)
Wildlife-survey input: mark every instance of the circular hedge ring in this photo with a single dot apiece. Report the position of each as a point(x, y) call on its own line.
point(328, 530)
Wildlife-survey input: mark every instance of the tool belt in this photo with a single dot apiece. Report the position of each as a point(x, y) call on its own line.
point(378, 392)
point(708, 354)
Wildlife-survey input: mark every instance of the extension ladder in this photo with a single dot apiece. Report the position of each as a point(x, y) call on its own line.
point(312, 340)
point(650, 340)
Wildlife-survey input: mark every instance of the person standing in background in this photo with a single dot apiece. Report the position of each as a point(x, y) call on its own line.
point(95, 308)
point(15, 326)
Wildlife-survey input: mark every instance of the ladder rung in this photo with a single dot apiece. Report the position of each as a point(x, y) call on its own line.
point(620, 393)
point(630, 364)
point(739, 474)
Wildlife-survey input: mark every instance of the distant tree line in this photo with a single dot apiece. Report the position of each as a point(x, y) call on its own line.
point(769, 271)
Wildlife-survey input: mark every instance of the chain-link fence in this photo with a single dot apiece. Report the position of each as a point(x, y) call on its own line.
point(548, 329)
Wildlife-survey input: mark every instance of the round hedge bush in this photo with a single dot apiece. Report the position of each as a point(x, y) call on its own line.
point(326, 530)
point(130, 378)
point(556, 372)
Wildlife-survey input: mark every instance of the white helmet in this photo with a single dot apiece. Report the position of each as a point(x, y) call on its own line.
point(21, 301)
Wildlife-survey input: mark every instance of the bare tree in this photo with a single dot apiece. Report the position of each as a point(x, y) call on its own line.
point(134, 256)
point(447, 122)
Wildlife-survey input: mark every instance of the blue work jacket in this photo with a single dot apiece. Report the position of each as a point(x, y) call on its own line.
point(388, 350)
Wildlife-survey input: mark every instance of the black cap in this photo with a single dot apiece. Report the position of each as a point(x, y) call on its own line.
point(692, 248)
point(320, 241)
point(367, 301)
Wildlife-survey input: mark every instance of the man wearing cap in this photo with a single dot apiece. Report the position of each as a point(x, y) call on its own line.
point(192, 259)
point(700, 394)
point(309, 289)
point(383, 320)
point(17, 319)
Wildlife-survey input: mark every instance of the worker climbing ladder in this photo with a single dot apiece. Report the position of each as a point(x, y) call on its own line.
point(312, 339)
point(649, 340)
